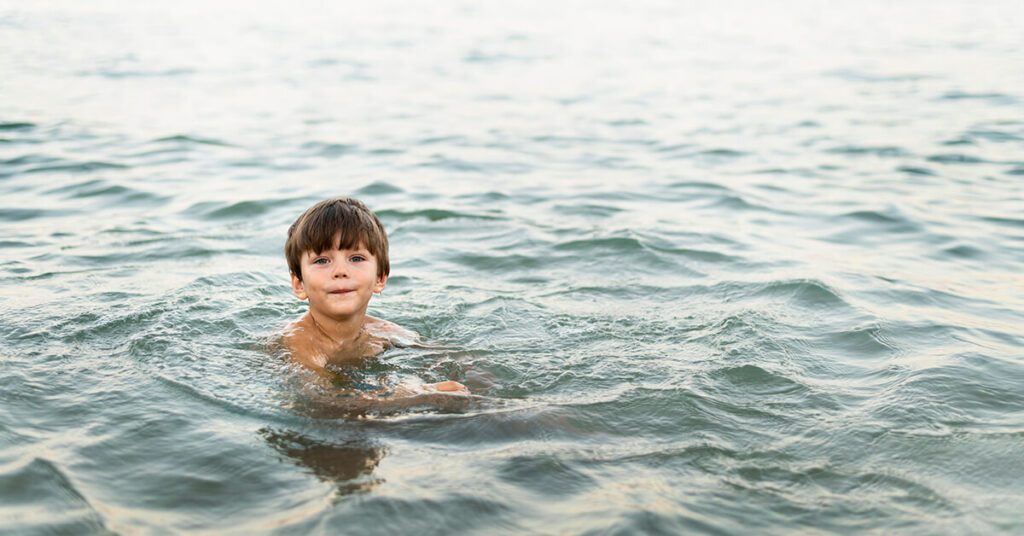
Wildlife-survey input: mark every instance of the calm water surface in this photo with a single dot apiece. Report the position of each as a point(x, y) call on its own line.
point(712, 267)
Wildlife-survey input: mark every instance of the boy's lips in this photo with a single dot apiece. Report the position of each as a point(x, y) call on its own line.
point(342, 291)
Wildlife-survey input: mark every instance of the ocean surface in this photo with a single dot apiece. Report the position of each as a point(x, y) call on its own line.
point(710, 267)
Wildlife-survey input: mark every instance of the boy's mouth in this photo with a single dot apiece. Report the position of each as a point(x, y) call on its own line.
point(341, 291)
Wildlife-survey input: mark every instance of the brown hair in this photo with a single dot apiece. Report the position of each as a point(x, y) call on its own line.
point(337, 223)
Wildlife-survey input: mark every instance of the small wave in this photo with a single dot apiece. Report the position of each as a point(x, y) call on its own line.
point(329, 150)
point(758, 381)
point(944, 398)
point(1011, 222)
point(22, 214)
point(992, 135)
point(689, 150)
point(996, 98)
point(964, 251)
point(499, 263)
point(379, 188)
point(955, 158)
point(432, 214)
point(887, 151)
point(138, 73)
point(796, 483)
point(723, 153)
point(613, 244)
point(546, 475)
point(862, 76)
point(809, 292)
point(875, 216)
point(215, 210)
point(674, 148)
point(888, 220)
point(602, 211)
point(184, 139)
point(30, 159)
point(49, 500)
point(698, 185)
point(914, 170)
point(737, 202)
point(76, 167)
point(4, 244)
point(104, 189)
point(460, 165)
point(17, 126)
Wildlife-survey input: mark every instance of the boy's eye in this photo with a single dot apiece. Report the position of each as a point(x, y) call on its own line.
point(358, 258)
point(320, 260)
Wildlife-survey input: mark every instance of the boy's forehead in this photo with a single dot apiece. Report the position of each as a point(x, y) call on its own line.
point(359, 246)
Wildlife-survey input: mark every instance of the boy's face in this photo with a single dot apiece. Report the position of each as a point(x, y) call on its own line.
point(338, 283)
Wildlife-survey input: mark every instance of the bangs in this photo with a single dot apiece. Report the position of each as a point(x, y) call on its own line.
point(334, 229)
point(341, 223)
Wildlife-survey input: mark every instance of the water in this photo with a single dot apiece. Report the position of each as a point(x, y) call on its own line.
point(712, 267)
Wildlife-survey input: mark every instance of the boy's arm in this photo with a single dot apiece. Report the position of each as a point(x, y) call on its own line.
point(362, 403)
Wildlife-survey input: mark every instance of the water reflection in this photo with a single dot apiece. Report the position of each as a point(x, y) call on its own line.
point(348, 465)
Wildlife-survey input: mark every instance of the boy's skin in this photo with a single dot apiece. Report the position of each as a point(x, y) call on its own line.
point(338, 284)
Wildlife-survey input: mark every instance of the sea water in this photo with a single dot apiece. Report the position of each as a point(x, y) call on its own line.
point(709, 267)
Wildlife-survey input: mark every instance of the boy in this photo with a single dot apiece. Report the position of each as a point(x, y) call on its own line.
point(337, 253)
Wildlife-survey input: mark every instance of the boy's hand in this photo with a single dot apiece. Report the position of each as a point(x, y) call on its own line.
point(448, 387)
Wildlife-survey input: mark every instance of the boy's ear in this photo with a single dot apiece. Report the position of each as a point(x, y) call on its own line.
point(381, 281)
point(298, 289)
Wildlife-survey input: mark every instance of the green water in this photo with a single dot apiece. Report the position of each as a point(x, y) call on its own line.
point(710, 268)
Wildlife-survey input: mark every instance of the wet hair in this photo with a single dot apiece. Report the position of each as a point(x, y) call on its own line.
point(337, 223)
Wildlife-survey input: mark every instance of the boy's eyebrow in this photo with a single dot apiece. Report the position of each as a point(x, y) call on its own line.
point(363, 249)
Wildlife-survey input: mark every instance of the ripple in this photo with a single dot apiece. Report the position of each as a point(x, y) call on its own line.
point(806, 292)
point(723, 153)
point(964, 251)
point(699, 186)
point(858, 343)
point(499, 263)
point(116, 74)
point(603, 211)
point(993, 135)
point(955, 158)
point(185, 139)
point(23, 214)
point(759, 380)
point(76, 167)
point(214, 210)
point(329, 150)
point(13, 243)
point(113, 193)
point(17, 126)
point(379, 188)
point(995, 98)
point(886, 151)
point(889, 220)
point(46, 500)
point(432, 214)
point(914, 170)
point(545, 475)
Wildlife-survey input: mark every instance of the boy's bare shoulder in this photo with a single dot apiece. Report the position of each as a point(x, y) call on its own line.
point(301, 347)
point(393, 333)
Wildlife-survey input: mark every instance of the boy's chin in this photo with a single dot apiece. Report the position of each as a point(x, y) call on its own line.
point(337, 313)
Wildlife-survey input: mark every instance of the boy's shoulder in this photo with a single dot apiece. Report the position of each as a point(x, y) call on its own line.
point(393, 333)
point(298, 341)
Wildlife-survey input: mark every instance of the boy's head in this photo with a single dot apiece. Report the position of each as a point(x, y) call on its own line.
point(338, 223)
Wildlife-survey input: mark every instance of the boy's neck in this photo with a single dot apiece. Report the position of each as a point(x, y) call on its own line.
point(339, 332)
